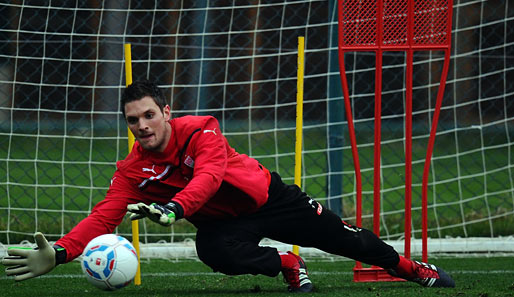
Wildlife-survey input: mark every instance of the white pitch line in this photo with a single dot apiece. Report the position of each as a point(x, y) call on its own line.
point(166, 274)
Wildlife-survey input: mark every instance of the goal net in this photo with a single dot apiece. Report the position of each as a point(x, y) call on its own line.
point(61, 132)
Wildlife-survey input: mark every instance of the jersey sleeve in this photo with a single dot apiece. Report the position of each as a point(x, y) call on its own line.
point(103, 219)
point(209, 151)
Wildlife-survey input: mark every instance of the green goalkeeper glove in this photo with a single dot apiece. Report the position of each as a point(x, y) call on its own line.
point(164, 215)
point(26, 263)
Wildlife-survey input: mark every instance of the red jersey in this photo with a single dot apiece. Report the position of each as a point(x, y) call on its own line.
point(198, 170)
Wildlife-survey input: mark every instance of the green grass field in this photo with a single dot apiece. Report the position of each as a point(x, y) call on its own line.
point(479, 276)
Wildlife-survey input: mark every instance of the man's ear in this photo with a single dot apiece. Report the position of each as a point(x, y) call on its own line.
point(166, 111)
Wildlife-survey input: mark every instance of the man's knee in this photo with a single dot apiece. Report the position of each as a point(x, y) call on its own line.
point(230, 255)
point(212, 251)
point(222, 253)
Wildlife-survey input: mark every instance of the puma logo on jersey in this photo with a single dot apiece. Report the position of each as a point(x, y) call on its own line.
point(212, 131)
point(156, 177)
point(152, 170)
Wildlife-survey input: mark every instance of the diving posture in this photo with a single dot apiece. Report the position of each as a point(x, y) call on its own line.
point(184, 168)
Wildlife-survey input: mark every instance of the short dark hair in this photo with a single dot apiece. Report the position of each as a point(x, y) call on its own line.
point(142, 88)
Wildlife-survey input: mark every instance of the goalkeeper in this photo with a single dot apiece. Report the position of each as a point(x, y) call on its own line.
point(184, 168)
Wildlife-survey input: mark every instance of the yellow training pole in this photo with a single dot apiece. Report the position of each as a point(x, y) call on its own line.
point(299, 120)
point(131, 140)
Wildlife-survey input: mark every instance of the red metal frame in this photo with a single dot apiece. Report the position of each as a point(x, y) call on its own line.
point(393, 25)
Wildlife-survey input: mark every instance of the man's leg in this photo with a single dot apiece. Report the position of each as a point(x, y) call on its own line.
point(293, 217)
point(231, 247)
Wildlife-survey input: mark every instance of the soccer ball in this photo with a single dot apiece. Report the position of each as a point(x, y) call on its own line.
point(109, 262)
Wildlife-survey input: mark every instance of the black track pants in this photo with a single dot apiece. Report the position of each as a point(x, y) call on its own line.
point(289, 216)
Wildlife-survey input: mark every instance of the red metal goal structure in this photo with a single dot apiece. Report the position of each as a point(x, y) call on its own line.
point(393, 25)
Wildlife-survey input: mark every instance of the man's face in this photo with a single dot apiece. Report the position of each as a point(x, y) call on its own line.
point(148, 123)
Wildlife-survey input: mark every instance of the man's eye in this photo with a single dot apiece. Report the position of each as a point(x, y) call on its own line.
point(132, 120)
point(149, 115)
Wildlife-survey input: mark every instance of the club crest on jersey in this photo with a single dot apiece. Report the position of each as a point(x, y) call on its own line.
point(189, 162)
point(317, 206)
point(320, 209)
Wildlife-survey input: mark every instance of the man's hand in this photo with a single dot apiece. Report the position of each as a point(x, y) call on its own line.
point(164, 215)
point(26, 263)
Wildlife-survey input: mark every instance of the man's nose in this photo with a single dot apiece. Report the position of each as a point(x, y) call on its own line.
point(143, 124)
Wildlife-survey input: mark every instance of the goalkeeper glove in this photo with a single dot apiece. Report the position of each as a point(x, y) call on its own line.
point(26, 263)
point(164, 215)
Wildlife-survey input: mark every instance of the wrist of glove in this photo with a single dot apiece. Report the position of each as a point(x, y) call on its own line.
point(26, 263)
point(164, 215)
